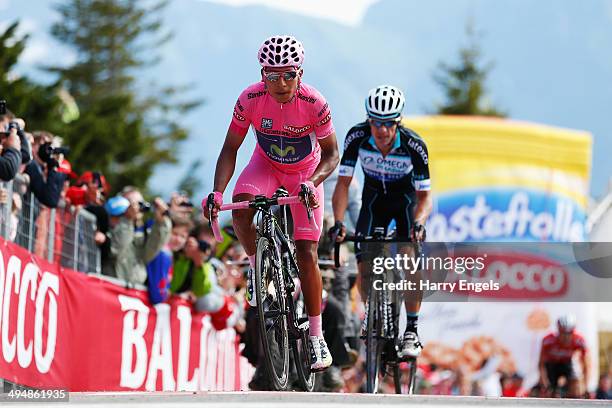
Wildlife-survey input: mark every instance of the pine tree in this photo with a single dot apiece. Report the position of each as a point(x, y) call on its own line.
point(38, 104)
point(464, 83)
point(121, 131)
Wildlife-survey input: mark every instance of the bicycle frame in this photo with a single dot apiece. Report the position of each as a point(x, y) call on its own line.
point(275, 251)
point(276, 230)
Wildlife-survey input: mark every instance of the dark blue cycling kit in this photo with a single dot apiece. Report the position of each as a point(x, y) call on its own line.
point(390, 181)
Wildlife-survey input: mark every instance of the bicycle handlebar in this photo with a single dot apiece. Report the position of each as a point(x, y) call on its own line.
point(242, 205)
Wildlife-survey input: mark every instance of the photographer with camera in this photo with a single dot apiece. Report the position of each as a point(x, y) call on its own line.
point(134, 242)
point(10, 159)
point(46, 182)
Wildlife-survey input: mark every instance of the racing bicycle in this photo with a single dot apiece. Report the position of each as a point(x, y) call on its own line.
point(382, 336)
point(283, 325)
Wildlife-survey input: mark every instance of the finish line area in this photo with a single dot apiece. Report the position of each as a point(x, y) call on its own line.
point(303, 400)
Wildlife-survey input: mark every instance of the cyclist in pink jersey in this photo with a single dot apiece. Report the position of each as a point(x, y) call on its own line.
point(296, 144)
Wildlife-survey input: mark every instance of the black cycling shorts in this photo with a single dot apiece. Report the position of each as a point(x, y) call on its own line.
point(554, 371)
point(378, 209)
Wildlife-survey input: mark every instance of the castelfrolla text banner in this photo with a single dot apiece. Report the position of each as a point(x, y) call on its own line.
point(502, 180)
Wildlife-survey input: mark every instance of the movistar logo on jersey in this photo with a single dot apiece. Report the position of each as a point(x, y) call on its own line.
point(506, 215)
point(389, 168)
point(286, 150)
point(282, 152)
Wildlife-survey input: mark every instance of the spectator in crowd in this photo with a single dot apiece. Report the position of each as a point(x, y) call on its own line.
point(10, 156)
point(604, 387)
point(180, 205)
point(159, 270)
point(90, 192)
point(9, 121)
point(232, 278)
point(132, 245)
point(194, 274)
point(46, 182)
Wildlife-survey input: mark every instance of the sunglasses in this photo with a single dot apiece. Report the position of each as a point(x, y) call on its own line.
point(275, 76)
point(386, 123)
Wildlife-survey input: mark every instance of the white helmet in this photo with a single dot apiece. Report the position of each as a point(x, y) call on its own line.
point(281, 51)
point(385, 102)
point(567, 323)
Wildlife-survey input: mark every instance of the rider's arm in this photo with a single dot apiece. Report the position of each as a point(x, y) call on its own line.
point(226, 163)
point(321, 117)
point(423, 207)
point(421, 179)
point(329, 159)
point(340, 198)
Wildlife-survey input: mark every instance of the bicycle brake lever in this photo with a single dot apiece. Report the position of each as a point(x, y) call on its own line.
point(306, 193)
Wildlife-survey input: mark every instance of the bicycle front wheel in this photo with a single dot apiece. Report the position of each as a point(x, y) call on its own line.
point(404, 380)
point(374, 343)
point(272, 314)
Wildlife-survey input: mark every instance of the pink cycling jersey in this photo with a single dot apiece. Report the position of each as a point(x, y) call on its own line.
point(287, 133)
point(287, 151)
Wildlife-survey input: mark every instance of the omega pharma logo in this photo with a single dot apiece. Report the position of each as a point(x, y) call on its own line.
point(507, 216)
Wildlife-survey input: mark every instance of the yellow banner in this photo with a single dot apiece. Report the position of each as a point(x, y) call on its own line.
point(491, 166)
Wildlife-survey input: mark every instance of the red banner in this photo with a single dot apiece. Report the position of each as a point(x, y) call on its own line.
point(64, 329)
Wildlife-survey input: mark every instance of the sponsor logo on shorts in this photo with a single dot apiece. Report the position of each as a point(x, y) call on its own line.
point(266, 123)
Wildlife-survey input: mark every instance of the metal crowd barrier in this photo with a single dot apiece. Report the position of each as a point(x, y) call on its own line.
point(64, 235)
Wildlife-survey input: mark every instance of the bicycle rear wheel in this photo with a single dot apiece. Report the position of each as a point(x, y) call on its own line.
point(272, 314)
point(374, 343)
point(405, 380)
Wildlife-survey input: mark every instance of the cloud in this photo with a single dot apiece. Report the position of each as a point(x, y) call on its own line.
point(347, 12)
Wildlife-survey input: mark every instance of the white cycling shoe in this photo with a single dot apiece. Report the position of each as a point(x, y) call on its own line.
point(319, 353)
point(410, 346)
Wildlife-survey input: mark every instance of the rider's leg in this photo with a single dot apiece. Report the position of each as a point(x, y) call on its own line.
point(257, 178)
point(410, 345)
point(573, 388)
point(412, 298)
point(306, 233)
point(310, 276)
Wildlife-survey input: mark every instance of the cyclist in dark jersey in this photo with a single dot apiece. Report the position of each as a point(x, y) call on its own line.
point(395, 163)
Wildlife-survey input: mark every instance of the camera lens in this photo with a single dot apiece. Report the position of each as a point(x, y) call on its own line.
point(144, 206)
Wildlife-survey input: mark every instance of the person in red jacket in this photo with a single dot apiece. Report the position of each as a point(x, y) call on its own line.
point(556, 358)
